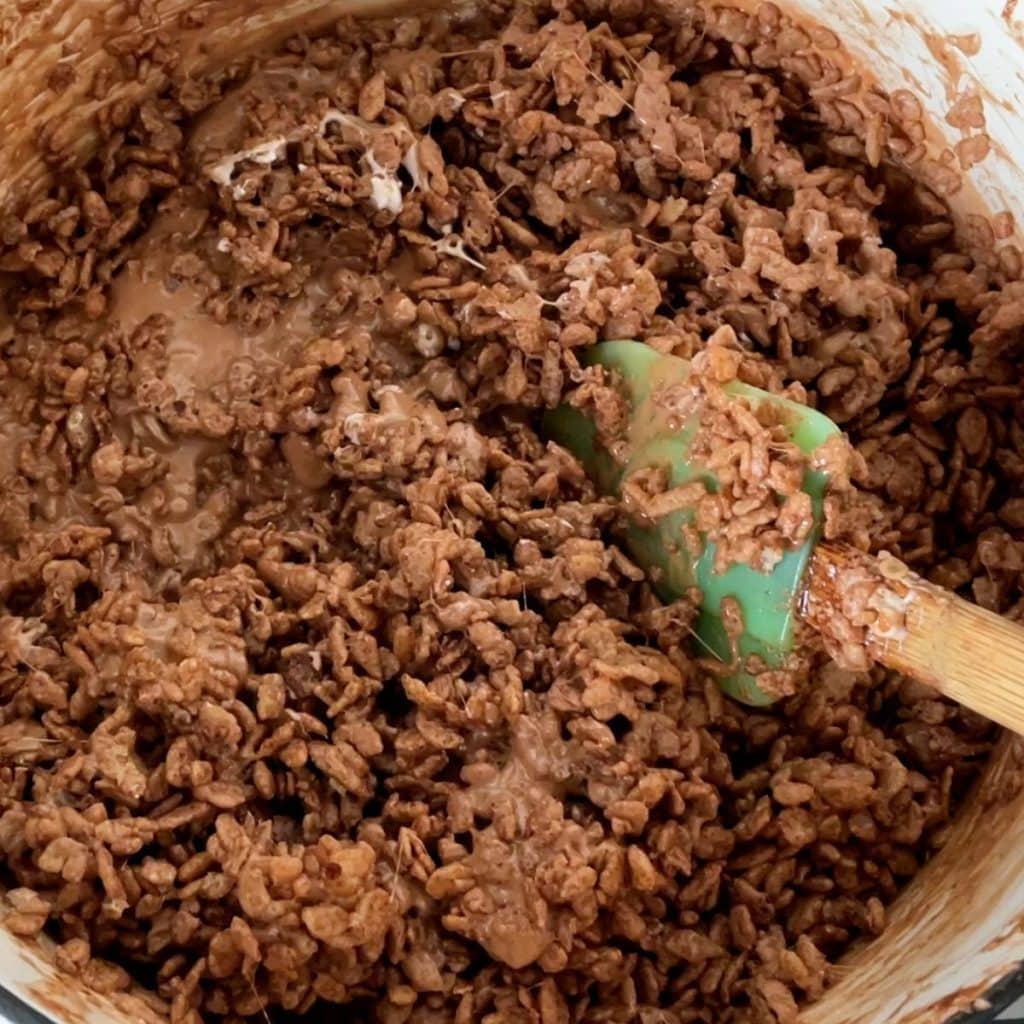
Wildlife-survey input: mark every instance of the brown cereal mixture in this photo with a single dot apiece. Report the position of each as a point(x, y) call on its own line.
point(758, 510)
point(323, 678)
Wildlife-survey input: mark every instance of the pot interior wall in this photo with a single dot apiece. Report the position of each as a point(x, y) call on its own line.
point(956, 930)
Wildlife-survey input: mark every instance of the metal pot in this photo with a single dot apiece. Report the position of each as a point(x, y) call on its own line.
point(957, 930)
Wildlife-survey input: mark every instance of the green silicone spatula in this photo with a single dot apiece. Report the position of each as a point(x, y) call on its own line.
point(897, 618)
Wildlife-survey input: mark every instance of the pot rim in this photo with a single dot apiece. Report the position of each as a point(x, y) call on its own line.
point(1006, 991)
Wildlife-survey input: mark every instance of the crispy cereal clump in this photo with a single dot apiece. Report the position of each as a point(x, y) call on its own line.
point(751, 504)
point(325, 680)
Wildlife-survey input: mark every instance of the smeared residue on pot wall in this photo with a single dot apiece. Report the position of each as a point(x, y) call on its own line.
point(56, 55)
point(957, 928)
point(949, 52)
point(1015, 23)
point(26, 970)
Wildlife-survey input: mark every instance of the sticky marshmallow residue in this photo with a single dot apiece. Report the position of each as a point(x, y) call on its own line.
point(411, 162)
point(385, 188)
point(266, 153)
point(452, 245)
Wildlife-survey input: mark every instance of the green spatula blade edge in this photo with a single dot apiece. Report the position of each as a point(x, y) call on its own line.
point(767, 600)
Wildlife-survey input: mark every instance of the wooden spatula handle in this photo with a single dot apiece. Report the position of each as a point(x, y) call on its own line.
point(906, 623)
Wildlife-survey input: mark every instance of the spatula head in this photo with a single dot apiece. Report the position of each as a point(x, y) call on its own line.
point(767, 600)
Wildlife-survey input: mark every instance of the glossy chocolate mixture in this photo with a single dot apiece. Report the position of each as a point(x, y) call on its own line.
point(324, 680)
